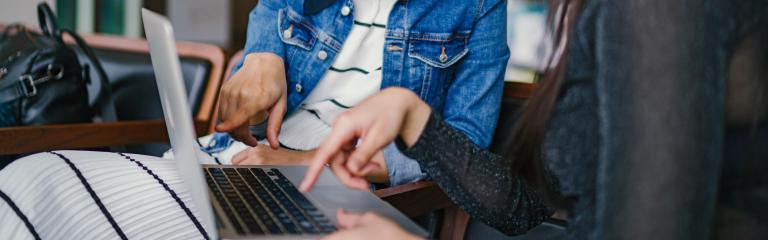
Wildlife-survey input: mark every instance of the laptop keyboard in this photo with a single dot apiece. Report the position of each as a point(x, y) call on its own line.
point(264, 202)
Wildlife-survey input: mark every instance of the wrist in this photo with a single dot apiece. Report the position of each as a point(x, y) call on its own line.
point(263, 56)
point(416, 117)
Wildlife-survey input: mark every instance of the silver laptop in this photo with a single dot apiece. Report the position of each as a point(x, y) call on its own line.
point(244, 202)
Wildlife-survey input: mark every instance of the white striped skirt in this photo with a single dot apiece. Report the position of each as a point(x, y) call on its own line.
point(95, 195)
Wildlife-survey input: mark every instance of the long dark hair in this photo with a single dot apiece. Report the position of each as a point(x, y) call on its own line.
point(525, 145)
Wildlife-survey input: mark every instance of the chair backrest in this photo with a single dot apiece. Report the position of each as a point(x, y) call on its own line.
point(132, 79)
point(515, 95)
point(136, 98)
point(233, 61)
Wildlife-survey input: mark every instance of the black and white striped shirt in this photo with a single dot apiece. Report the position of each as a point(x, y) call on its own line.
point(354, 75)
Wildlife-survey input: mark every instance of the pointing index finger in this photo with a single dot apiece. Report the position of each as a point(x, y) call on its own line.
point(339, 135)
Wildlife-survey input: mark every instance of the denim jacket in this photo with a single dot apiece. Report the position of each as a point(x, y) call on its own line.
point(452, 53)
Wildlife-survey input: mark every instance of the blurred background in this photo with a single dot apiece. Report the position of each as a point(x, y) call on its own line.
point(224, 22)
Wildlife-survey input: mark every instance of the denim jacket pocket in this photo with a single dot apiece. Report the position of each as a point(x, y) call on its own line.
point(440, 50)
point(294, 30)
point(437, 55)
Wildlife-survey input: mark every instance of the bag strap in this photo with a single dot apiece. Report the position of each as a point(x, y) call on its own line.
point(50, 28)
point(46, 17)
point(104, 101)
point(105, 104)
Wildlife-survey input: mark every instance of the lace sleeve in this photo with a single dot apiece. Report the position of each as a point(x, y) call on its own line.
point(477, 180)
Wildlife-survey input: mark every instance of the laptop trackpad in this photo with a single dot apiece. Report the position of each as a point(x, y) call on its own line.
point(296, 173)
point(334, 197)
point(332, 194)
point(331, 198)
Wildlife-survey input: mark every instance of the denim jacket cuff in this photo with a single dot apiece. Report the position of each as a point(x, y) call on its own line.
point(401, 169)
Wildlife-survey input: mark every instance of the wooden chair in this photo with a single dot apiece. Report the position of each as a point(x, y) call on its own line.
point(134, 129)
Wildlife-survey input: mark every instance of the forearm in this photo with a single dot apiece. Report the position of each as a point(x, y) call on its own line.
point(475, 179)
point(400, 168)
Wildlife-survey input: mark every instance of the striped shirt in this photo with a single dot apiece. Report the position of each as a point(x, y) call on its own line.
point(354, 75)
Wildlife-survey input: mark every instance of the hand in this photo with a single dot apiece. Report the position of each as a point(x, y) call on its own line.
point(263, 155)
point(367, 226)
point(257, 91)
point(376, 121)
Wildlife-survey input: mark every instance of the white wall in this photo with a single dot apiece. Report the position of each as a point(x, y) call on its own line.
point(12, 11)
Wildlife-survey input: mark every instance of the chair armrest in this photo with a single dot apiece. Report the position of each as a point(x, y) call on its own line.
point(16, 140)
point(415, 199)
point(419, 198)
point(519, 90)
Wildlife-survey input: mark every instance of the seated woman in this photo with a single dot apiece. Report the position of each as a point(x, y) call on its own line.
point(327, 56)
point(628, 138)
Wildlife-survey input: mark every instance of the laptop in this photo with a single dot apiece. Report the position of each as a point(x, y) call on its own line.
point(247, 202)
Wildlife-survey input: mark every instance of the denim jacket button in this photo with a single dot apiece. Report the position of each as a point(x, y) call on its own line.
point(298, 88)
point(443, 57)
point(322, 55)
point(345, 11)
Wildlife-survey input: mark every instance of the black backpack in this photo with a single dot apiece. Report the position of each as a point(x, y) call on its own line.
point(43, 82)
point(41, 79)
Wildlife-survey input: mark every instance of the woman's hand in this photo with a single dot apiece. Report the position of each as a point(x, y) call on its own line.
point(367, 226)
point(375, 123)
point(264, 155)
point(257, 91)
